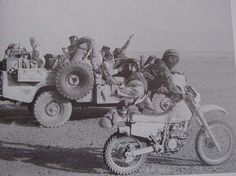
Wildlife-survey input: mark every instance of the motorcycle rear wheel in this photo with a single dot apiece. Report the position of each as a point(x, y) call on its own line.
point(114, 154)
point(206, 149)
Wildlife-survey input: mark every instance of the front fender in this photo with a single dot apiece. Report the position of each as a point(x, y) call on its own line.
point(212, 107)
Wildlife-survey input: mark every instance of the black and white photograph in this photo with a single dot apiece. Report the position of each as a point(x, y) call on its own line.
point(108, 87)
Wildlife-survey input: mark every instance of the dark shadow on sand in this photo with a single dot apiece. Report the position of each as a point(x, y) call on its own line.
point(81, 160)
point(20, 115)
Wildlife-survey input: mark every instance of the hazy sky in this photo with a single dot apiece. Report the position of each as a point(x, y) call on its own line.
point(186, 25)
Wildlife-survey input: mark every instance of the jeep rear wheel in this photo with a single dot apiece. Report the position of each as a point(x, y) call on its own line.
point(74, 81)
point(52, 110)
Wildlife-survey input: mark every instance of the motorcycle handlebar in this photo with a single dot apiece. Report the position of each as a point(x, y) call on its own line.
point(179, 97)
point(187, 97)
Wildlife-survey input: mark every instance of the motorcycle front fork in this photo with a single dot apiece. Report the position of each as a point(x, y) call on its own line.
point(203, 122)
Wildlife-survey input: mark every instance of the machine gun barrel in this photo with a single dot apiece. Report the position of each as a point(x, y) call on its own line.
point(127, 43)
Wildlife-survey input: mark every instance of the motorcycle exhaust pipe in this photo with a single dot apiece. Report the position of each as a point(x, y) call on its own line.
point(141, 151)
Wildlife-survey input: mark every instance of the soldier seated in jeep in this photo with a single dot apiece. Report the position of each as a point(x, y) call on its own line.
point(106, 69)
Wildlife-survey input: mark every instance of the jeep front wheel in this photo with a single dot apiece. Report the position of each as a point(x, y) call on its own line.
point(52, 110)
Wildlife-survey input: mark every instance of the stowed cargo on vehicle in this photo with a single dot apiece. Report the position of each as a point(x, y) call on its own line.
point(50, 92)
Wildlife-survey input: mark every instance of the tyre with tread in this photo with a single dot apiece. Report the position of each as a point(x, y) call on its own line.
point(74, 80)
point(205, 148)
point(114, 154)
point(51, 109)
point(1, 83)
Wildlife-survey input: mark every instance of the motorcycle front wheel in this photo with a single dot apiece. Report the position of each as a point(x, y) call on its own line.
point(206, 149)
point(115, 154)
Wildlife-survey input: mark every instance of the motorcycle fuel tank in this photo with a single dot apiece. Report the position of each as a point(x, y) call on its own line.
point(145, 125)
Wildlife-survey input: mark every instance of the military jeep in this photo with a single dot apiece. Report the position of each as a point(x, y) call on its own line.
point(52, 91)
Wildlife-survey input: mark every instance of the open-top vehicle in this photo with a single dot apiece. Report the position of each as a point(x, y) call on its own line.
point(52, 91)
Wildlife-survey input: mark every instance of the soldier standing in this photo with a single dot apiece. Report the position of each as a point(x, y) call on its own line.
point(37, 53)
point(71, 49)
point(80, 48)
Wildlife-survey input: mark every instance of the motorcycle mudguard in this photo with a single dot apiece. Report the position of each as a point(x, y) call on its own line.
point(212, 107)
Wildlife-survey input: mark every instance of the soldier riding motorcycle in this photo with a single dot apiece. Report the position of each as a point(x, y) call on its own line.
point(166, 131)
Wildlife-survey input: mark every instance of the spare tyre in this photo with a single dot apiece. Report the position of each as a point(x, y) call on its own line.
point(75, 80)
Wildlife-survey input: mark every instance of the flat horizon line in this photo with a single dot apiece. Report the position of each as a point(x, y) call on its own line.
point(229, 52)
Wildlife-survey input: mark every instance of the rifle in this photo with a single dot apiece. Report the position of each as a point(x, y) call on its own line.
point(118, 52)
point(127, 43)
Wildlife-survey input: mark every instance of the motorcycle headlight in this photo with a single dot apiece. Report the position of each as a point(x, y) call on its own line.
point(191, 91)
point(197, 98)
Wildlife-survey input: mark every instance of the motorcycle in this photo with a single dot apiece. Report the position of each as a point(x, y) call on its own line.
point(166, 133)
